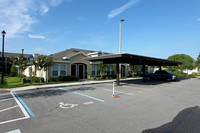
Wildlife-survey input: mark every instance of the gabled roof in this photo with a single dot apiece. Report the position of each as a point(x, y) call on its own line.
point(68, 53)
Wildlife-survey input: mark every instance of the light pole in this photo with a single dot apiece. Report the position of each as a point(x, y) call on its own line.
point(2, 74)
point(22, 54)
point(120, 36)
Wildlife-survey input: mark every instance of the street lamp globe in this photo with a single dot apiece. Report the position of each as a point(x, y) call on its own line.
point(3, 33)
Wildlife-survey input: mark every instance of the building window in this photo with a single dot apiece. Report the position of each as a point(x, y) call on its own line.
point(55, 70)
point(59, 70)
point(94, 70)
point(62, 69)
point(109, 69)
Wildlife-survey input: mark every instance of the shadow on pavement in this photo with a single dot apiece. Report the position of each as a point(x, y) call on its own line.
point(52, 92)
point(149, 82)
point(187, 121)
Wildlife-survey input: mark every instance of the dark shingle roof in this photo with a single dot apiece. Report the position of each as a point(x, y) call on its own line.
point(69, 52)
point(15, 55)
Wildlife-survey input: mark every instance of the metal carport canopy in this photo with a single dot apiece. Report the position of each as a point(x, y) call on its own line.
point(133, 60)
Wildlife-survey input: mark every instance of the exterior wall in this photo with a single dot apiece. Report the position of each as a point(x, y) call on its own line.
point(79, 59)
point(73, 60)
point(191, 71)
point(39, 73)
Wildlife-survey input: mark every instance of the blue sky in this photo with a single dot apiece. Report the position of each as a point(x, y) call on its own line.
point(156, 28)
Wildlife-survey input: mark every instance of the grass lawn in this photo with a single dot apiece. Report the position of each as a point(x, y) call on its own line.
point(14, 82)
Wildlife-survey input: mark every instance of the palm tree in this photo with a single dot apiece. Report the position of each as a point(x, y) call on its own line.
point(22, 64)
point(43, 62)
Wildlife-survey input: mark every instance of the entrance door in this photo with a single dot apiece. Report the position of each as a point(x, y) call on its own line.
point(123, 74)
point(73, 70)
point(80, 71)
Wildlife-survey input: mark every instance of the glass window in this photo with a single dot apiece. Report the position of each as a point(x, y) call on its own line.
point(98, 72)
point(62, 69)
point(110, 70)
point(55, 70)
point(94, 70)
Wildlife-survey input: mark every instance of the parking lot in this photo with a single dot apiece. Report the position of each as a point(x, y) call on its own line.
point(92, 108)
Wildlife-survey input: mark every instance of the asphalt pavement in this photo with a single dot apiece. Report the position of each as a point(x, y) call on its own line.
point(150, 107)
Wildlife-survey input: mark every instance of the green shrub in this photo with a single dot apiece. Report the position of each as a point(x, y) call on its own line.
point(182, 75)
point(37, 79)
point(21, 76)
point(193, 75)
point(68, 78)
point(63, 78)
point(129, 75)
point(54, 79)
point(4, 82)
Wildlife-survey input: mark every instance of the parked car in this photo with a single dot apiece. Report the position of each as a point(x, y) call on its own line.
point(161, 75)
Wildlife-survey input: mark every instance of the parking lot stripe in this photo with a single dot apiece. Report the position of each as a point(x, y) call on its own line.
point(6, 99)
point(24, 105)
point(9, 108)
point(119, 92)
point(95, 99)
point(14, 131)
point(4, 122)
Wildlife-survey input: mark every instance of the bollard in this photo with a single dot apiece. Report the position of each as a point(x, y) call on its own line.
point(113, 89)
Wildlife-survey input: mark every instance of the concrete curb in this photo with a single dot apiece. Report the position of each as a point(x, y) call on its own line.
point(4, 90)
point(66, 84)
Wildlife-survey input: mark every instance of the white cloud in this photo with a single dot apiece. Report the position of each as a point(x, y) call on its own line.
point(17, 16)
point(44, 9)
point(40, 50)
point(36, 36)
point(117, 11)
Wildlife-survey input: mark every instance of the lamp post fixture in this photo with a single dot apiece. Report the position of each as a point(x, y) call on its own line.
point(22, 54)
point(2, 74)
point(120, 36)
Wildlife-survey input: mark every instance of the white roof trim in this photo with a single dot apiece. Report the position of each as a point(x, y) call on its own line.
point(95, 63)
point(68, 57)
point(61, 61)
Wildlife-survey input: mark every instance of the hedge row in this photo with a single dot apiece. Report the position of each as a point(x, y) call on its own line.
point(101, 77)
point(63, 78)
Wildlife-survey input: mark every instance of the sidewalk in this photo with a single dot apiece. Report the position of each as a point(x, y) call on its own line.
point(62, 85)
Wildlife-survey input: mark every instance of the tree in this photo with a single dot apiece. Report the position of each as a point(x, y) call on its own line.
point(102, 68)
point(188, 62)
point(197, 63)
point(22, 64)
point(13, 68)
point(43, 62)
point(135, 68)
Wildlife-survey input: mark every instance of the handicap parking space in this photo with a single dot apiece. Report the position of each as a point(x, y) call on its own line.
point(57, 100)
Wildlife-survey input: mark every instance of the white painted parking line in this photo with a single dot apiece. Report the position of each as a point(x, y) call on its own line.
point(9, 108)
point(4, 122)
point(119, 92)
point(136, 88)
point(83, 95)
point(20, 105)
point(87, 103)
point(6, 99)
point(14, 131)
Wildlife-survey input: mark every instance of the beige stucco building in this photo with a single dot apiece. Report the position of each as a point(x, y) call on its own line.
point(71, 62)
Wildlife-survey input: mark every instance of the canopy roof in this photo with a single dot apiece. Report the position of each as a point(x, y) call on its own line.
point(133, 60)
